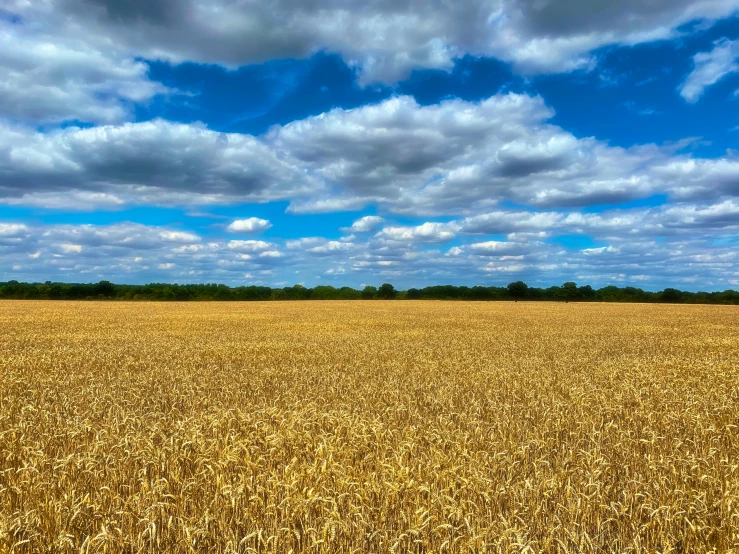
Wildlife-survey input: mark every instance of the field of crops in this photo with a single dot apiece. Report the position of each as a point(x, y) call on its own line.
point(368, 427)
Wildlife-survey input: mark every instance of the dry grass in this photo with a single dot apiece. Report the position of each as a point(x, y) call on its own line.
point(368, 427)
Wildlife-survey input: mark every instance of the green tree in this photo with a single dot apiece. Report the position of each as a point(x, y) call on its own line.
point(671, 295)
point(324, 292)
point(104, 288)
point(570, 290)
point(586, 292)
point(519, 289)
point(348, 293)
point(369, 292)
point(387, 292)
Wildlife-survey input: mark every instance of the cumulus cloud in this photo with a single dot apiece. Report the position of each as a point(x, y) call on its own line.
point(249, 245)
point(447, 157)
point(133, 236)
point(155, 162)
point(500, 248)
point(531, 228)
point(71, 248)
point(384, 40)
point(128, 252)
point(47, 78)
point(250, 225)
point(450, 158)
point(366, 224)
point(12, 230)
point(673, 254)
point(710, 67)
point(666, 220)
point(427, 232)
point(499, 222)
point(329, 204)
point(680, 219)
point(320, 246)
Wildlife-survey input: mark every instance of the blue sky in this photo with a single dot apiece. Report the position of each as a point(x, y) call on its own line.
point(365, 142)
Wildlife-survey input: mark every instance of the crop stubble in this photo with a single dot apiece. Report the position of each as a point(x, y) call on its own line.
point(368, 427)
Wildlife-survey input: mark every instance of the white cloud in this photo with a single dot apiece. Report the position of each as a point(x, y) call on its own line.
point(178, 236)
point(320, 246)
point(677, 254)
point(72, 200)
point(71, 248)
point(448, 157)
point(326, 205)
point(155, 162)
point(249, 245)
point(384, 40)
point(46, 77)
point(129, 251)
point(455, 157)
point(124, 235)
point(669, 219)
point(250, 225)
point(367, 224)
point(427, 232)
point(601, 250)
point(504, 266)
point(710, 67)
point(8, 230)
point(332, 246)
point(510, 221)
point(305, 243)
point(499, 248)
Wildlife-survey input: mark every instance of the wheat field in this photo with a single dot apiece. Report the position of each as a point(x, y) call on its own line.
point(368, 427)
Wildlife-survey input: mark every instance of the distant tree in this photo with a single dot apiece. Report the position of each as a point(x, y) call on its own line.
point(222, 293)
point(278, 294)
point(104, 288)
point(387, 292)
point(324, 292)
point(413, 294)
point(728, 297)
point(671, 295)
point(632, 294)
point(297, 292)
point(570, 290)
point(610, 293)
point(348, 293)
point(167, 293)
point(586, 292)
point(369, 292)
point(519, 289)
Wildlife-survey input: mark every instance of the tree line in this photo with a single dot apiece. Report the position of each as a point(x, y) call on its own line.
point(568, 292)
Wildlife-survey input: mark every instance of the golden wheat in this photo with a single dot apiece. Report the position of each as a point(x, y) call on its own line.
point(368, 427)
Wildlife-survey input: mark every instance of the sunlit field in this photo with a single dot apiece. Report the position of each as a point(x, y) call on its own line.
point(368, 427)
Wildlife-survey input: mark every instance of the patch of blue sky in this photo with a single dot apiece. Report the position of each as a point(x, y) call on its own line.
point(576, 242)
point(7, 16)
point(291, 226)
point(471, 79)
point(253, 98)
point(632, 97)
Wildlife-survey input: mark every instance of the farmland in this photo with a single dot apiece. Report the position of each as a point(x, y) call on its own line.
point(368, 427)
